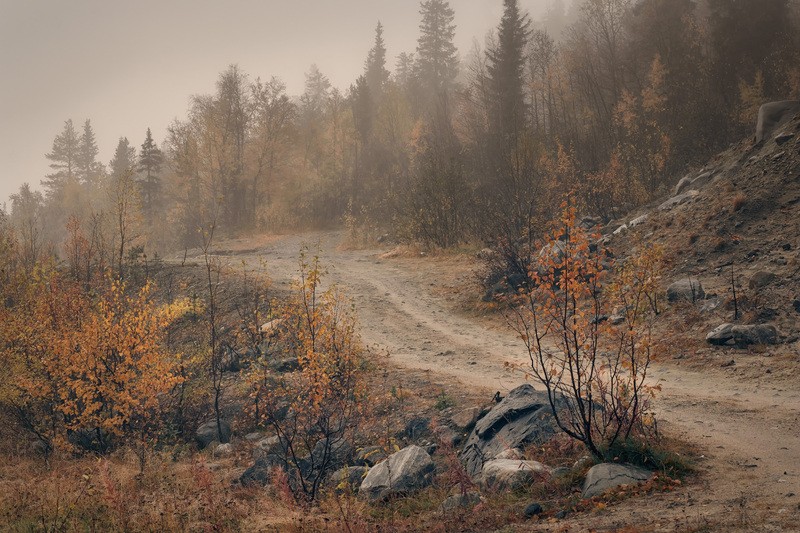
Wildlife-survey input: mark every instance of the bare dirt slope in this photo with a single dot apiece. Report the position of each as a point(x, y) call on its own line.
point(746, 422)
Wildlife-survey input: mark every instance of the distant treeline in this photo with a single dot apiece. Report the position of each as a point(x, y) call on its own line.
point(610, 101)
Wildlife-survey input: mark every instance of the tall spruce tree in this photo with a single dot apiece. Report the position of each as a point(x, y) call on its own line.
point(64, 160)
point(375, 71)
point(150, 161)
point(437, 56)
point(506, 68)
point(89, 169)
point(124, 163)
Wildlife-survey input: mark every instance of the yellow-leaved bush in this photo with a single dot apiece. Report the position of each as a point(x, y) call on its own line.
point(83, 367)
point(586, 321)
point(315, 410)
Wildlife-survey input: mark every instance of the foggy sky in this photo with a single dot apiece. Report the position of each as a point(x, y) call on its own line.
point(132, 65)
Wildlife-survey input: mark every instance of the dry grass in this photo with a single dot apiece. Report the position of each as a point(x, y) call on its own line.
point(109, 495)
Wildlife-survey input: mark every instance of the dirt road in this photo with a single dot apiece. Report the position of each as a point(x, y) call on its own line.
point(748, 431)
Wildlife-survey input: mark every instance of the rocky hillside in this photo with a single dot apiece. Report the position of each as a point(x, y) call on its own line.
point(732, 227)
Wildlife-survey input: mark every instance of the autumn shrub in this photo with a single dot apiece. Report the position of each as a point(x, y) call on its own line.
point(85, 369)
point(594, 371)
point(316, 410)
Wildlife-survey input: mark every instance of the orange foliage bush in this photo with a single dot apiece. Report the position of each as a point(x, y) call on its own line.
point(594, 372)
point(318, 407)
point(86, 364)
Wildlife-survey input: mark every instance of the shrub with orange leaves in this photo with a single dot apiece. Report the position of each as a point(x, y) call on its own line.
point(314, 411)
point(94, 367)
point(594, 371)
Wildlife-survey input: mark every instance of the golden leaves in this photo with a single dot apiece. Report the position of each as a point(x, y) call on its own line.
point(98, 361)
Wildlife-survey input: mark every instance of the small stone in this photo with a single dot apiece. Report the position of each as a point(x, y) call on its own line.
point(561, 515)
point(605, 476)
point(616, 320)
point(403, 472)
point(254, 436)
point(461, 501)
point(728, 364)
point(784, 138)
point(533, 509)
point(690, 290)
point(223, 450)
point(637, 221)
point(744, 335)
point(762, 279)
point(271, 328)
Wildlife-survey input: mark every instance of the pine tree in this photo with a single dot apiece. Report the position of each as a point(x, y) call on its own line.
point(312, 114)
point(124, 163)
point(88, 168)
point(405, 69)
point(150, 161)
point(64, 157)
point(437, 55)
point(124, 197)
point(506, 73)
point(375, 68)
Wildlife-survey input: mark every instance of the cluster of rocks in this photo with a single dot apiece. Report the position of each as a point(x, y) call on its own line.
point(727, 334)
point(492, 456)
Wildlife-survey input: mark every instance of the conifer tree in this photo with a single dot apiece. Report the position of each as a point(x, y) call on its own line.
point(506, 67)
point(150, 161)
point(375, 68)
point(124, 163)
point(88, 168)
point(124, 198)
point(64, 160)
point(437, 55)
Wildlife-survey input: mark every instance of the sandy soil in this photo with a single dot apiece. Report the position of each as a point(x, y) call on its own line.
point(745, 423)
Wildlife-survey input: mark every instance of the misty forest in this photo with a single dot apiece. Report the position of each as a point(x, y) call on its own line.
point(547, 283)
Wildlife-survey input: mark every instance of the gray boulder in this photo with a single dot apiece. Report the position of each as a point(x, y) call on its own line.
point(688, 290)
point(458, 502)
point(772, 115)
point(223, 450)
point(605, 476)
point(743, 335)
point(762, 279)
point(255, 436)
point(522, 417)
point(207, 433)
point(638, 221)
point(266, 446)
point(272, 328)
point(680, 199)
point(682, 185)
point(403, 472)
point(510, 474)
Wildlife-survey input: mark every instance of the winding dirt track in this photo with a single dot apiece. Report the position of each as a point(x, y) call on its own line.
point(749, 432)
